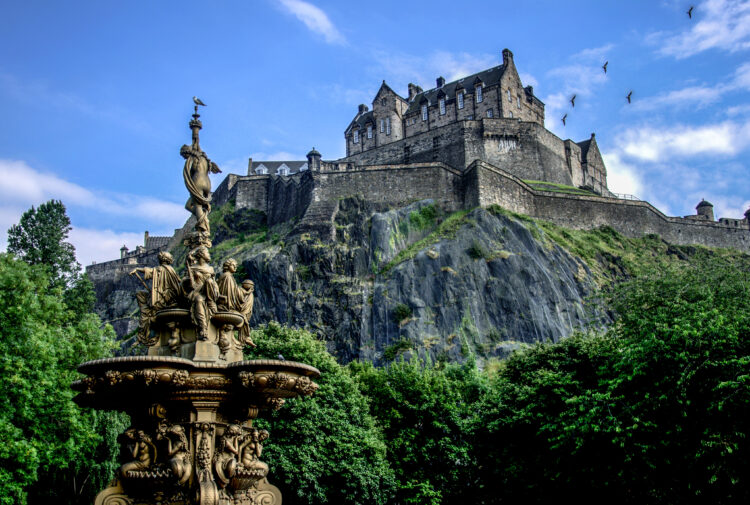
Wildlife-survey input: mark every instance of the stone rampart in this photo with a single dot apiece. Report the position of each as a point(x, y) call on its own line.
point(632, 218)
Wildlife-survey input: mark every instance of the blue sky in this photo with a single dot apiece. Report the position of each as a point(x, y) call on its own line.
point(96, 95)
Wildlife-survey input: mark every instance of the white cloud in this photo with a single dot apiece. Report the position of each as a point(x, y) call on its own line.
point(528, 79)
point(31, 187)
point(621, 176)
point(594, 54)
point(101, 245)
point(314, 19)
point(659, 144)
point(716, 24)
point(694, 96)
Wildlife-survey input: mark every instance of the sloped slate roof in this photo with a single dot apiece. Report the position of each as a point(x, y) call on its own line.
point(584, 148)
point(488, 77)
point(273, 166)
point(155, 242)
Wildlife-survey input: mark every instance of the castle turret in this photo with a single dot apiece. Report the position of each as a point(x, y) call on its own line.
point(705, 209)
point(747, 217)
point(507, 57)
point(123, 251)
point(313, 160)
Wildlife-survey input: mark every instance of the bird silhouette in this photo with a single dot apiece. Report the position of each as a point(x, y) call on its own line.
point(604, 67)
point(197, 101)
point(690, 12)
point(280, 357)
point(629, 95)
point(573, 100)
point(564, 118)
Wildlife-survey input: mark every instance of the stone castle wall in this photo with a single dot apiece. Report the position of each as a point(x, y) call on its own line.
point(631, 218)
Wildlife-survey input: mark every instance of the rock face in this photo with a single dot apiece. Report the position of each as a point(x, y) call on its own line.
point(412, 280)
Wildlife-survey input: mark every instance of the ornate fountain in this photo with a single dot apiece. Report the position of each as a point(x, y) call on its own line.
point(192, 399)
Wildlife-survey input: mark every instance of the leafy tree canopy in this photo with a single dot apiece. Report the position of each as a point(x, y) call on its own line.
point(49, 448)
point(39, 239)
point(324, 449)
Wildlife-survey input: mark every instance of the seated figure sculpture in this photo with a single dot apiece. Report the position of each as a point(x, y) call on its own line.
point(202, 291)
point(165, 292)
point(237, 298)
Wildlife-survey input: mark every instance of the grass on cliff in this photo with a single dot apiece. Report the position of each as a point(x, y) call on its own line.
point(611, 255)
point(445, 229)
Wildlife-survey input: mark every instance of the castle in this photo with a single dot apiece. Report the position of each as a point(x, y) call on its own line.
point(476, 141)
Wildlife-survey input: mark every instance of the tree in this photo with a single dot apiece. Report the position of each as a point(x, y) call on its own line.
point(324, 449)
point(39, 239)
point(50, 450)
point(426, 412)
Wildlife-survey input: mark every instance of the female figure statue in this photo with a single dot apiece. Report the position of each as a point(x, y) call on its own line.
point(203, 291)
point(225, 463)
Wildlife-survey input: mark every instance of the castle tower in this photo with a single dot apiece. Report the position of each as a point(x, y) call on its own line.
point(313, 160)
point(123, 251)
point(747, 217)
point(705, 209)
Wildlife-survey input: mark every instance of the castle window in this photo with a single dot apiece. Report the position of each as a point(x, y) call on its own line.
point(369, 131)
point(382, 101)
point(261, 169)
point(479, 93)
point(509, 98)
point(442, 106)
point(424, 112)
point(356, 136)
point(283, 169)
point(460, 98)
point(382, 125)
point(518, 101)
point(387, 126)
point(511, 114)
point(490, 113)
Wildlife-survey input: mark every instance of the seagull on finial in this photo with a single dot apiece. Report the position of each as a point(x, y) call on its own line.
point(197, 101)
point(629, 95)
point(564, 118)
point(690, 12)
point(604, 67)
point(573, 100)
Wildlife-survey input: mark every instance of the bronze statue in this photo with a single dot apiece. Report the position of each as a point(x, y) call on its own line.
point(237, 298)
point(140, 448)
point(225, 463)
point(203, 291)
point(177, 451)
point(164, 292)
point(195, 172)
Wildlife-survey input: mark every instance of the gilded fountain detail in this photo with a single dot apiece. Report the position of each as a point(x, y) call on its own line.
point(192, 398)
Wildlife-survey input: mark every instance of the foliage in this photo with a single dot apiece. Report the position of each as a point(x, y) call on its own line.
point(426, 413)
point(425, 217)
point(325, 449)
point(477, 251)
point(39, 239)
point(401, 312)
point(647, 412)
point(44, 436)
point(392, 351)
point(447, 229)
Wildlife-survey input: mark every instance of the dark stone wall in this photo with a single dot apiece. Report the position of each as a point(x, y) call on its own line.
point(288, 197)
point(252, 192)
point(393, 185)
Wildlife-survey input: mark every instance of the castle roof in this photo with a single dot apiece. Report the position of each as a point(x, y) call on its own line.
point(488, 77)
point(272, 167)
point(154, 242)
point(361, 120)
point(704, 203)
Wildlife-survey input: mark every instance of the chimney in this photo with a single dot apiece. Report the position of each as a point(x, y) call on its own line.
point(440, 82)
point(747, 216)
point(412, 91)
point(507, 56)
point(145, 238)
point(250, 167)
point(530, 91)
point(362, 109)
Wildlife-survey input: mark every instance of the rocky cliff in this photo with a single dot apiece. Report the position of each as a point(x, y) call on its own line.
point(413, 279)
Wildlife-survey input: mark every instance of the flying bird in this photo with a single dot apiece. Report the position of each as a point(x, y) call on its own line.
point(629, 95)
point(564, 118)
point(604, 67)
point(573, 100)
point(280, 357)
point(197, 101)
point(690, 12)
